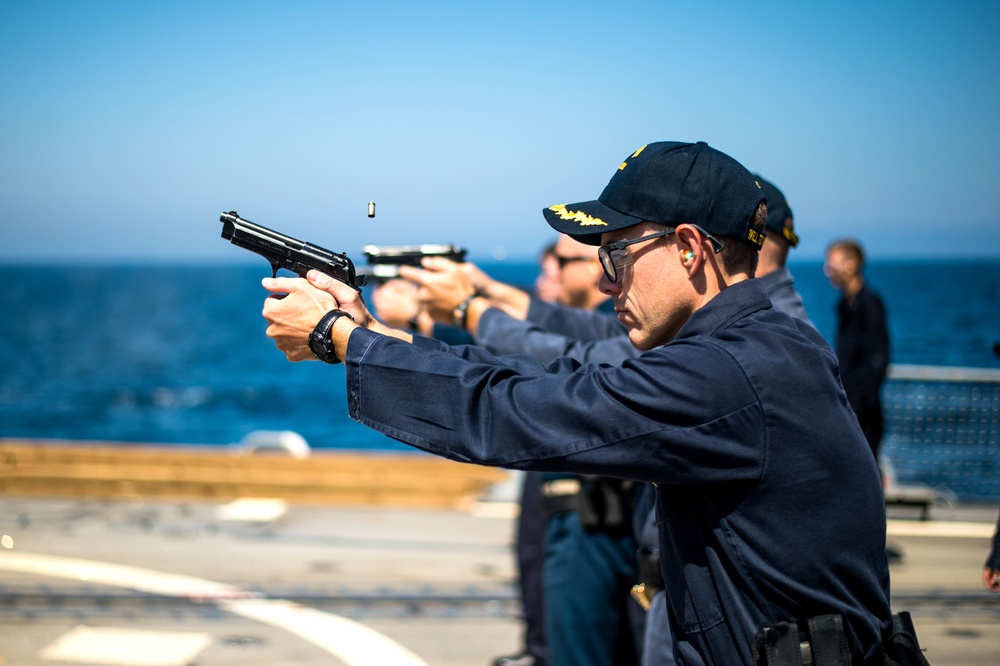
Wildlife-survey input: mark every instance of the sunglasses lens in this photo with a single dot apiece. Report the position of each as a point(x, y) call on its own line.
point(615, 262)
point(622, 262)
point(608, 265)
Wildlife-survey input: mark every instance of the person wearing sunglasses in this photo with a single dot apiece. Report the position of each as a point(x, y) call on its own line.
point(770, 512)
point(588, 563)
point(528, 325)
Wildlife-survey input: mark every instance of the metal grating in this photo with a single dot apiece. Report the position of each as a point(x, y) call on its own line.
point(943, 429)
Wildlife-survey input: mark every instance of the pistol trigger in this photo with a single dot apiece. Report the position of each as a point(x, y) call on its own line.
point(274, 269)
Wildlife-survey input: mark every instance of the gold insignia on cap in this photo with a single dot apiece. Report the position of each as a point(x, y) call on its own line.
point(577, 216)
point(757, 184)
point(625, 163)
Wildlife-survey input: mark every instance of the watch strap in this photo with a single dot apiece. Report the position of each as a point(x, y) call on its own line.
point(460, 315)
point(319, 340)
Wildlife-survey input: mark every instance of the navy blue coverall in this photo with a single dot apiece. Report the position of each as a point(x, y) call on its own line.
point(590, 618)
point(769, 500)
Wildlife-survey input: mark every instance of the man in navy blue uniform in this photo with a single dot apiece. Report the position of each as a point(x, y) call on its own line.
point(772, 268)
point(585, 522)
point(770, 503)
point(589, 548)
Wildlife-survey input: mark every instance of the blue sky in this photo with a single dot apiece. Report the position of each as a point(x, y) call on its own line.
point(126, 128)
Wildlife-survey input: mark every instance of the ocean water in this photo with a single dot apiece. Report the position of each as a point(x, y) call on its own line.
point(177, 354)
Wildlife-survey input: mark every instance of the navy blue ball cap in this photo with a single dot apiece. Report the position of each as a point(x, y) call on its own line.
point(777, 212)
point(668, 183)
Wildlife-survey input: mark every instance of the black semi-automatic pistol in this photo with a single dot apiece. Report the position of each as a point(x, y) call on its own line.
point(384, 260)
point(283, 251)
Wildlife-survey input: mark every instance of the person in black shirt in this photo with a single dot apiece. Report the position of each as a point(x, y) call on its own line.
point(862, 340)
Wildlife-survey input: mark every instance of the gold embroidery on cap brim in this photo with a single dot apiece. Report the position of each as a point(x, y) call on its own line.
point(577, 216)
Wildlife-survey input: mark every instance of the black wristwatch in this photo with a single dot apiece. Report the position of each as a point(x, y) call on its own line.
point(319, 340)
point(460, 315)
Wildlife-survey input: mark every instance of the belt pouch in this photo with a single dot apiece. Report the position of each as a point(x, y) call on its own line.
point(817, 641)
point(902, 647)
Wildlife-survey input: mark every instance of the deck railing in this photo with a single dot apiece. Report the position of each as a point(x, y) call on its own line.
point(943, 429)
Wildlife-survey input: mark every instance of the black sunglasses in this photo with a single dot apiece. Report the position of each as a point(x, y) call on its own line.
point(562, 261)
point(606, 253)
point(613, 259)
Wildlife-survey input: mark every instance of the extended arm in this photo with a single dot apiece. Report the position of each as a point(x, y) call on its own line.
point(632, 421)
point(503, 334)
point(574, 322)
point(446, 286)
point(465, 404)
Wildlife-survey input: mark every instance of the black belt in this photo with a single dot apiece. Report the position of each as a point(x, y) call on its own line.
point(603, 503)
point(822, 641)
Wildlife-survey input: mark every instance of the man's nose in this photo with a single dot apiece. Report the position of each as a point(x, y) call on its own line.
point(606, 286)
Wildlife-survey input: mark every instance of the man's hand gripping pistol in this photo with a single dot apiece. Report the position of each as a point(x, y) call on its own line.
point(283, 251)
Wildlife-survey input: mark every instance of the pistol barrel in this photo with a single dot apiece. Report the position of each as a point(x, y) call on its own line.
point(283, 251)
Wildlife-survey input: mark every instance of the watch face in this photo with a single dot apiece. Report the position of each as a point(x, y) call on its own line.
point(321, 348)
point(319, 340)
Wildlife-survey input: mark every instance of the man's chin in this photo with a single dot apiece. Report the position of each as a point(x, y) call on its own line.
point(639, 340)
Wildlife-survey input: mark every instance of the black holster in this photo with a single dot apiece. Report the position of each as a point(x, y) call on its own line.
point(902, 647)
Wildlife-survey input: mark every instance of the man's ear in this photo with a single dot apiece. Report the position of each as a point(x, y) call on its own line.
point(689, 247)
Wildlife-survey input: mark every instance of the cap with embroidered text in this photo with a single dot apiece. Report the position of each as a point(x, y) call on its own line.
point(668, 183)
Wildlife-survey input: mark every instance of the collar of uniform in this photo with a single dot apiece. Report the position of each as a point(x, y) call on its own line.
point(731, 304)
point(776, 278)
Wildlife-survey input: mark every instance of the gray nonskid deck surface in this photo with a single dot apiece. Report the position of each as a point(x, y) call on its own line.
point(437, 582)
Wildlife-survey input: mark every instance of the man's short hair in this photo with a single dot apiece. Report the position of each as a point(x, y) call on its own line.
point(851, 248)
